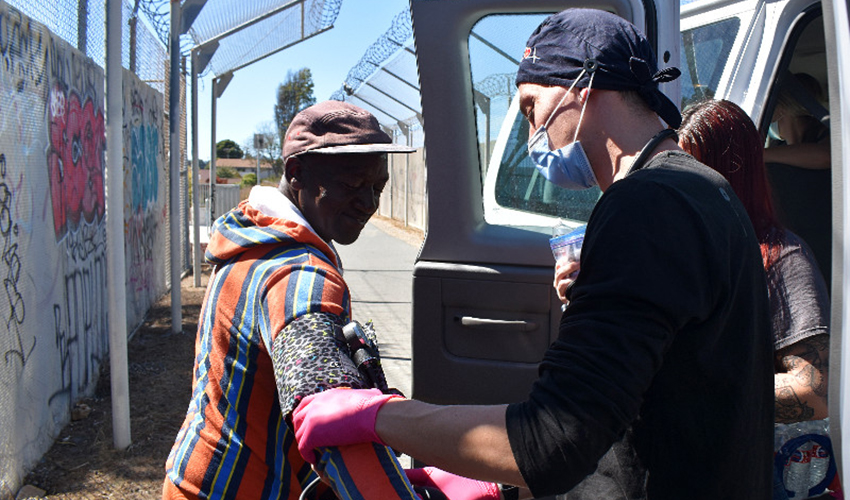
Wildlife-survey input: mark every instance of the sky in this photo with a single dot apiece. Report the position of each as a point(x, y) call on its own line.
point(248, 101)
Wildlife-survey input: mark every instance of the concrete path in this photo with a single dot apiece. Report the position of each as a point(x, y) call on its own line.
point(378, 268)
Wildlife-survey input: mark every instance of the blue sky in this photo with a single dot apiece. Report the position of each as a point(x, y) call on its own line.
point(248, 101)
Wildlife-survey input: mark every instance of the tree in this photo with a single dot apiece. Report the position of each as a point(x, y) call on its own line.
point(249, 180)
point(228, 149)
point(293, 95)
point(226, 173)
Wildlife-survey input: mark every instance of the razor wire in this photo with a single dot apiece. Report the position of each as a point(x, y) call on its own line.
point(385, 47)
point(395, 39)
point(259, 39)
point(498, 85)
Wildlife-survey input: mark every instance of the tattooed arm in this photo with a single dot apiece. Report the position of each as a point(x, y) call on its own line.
point(800, 384)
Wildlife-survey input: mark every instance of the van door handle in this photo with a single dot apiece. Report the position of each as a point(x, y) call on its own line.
point(496, 324)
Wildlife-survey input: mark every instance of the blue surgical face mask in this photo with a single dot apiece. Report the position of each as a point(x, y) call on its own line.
point(568, 166)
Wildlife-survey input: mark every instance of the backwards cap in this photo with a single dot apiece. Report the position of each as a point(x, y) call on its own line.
point(620, 56)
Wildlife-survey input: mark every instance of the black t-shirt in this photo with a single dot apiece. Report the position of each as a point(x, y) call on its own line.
point(662, 371)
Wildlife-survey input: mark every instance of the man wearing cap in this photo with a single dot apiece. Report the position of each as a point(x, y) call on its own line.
point(659, 384)
point(269, 328)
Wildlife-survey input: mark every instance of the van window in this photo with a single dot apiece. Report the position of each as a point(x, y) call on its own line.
point(705, 51)
point(496, 45)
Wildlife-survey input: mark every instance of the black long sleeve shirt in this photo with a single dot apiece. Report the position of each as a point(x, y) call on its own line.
point(659, 385)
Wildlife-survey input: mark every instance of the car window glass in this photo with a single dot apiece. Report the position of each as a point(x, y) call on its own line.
point(705, 52)
point(496, 45)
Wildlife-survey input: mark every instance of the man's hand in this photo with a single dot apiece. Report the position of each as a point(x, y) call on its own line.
point(565, 275)
point(337, 417)
point(452, 486)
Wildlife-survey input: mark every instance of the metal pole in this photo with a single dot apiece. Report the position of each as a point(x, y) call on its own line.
point(116, 287)
point(82, 25)
point(212, 155)
point(196, 185)
point(174, 167)
point(406, 187)
point(132, 23)
point(184, 175)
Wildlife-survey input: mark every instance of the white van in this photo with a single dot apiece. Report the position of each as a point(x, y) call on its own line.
point(484, 311)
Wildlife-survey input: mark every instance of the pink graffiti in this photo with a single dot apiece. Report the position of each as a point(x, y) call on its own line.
point(75, 160)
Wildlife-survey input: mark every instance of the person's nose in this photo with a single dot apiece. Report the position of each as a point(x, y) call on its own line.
point(368, 199)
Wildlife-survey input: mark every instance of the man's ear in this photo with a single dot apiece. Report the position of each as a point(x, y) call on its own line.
point(293, 171)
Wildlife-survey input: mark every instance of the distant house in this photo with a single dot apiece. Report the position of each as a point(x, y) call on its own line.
point(242, 166)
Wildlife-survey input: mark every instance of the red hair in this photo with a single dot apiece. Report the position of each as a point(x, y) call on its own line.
point(721, 135)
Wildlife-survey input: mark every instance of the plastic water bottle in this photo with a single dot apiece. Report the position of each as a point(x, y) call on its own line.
point(807, 464)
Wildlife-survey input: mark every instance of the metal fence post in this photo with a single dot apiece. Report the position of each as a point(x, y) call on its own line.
point(117, 291)
point(174, 166)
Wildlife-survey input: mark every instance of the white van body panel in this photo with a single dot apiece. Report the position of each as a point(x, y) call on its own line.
point(837, 31)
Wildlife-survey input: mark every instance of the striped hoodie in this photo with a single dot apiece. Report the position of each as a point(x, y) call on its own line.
point(234, 441)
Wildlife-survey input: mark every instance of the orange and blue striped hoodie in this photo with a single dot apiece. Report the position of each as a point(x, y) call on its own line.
point(269, 274)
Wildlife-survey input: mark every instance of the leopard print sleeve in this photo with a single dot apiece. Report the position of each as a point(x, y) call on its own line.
point(310, 355)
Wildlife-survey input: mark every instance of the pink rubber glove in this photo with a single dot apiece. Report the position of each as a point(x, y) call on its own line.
point(337, 417)
point(452, 486)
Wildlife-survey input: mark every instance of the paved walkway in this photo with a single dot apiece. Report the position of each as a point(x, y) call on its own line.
point(379, 272)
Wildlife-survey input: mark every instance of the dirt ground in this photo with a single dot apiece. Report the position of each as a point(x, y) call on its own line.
point(82, 463)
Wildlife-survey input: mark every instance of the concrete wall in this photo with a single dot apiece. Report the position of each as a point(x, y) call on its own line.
point(404, 197)
point(54, 302)
point(146, 182)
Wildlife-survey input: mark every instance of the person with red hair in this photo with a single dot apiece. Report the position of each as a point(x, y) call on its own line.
point(721, 135)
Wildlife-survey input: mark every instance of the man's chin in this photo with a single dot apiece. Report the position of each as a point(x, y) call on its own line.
point(348, 238)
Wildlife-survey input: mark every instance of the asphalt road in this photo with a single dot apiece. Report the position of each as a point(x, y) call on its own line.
point(378, 268)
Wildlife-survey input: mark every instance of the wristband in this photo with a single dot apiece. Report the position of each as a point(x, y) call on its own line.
point(509, 492)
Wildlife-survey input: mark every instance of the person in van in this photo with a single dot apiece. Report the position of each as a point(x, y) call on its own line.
point(798, 164)
point(663, 366)
point(805, 138)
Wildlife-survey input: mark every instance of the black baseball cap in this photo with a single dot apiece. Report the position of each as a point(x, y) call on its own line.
point(612, 48)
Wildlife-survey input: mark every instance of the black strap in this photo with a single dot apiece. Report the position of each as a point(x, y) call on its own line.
point(643, 156)
point(509, 492)
point(365, 356)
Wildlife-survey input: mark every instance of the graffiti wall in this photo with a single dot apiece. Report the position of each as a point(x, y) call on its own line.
point(53, 269)
point(145, 196)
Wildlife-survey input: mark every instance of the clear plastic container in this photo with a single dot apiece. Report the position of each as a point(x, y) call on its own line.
point(566, 243)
